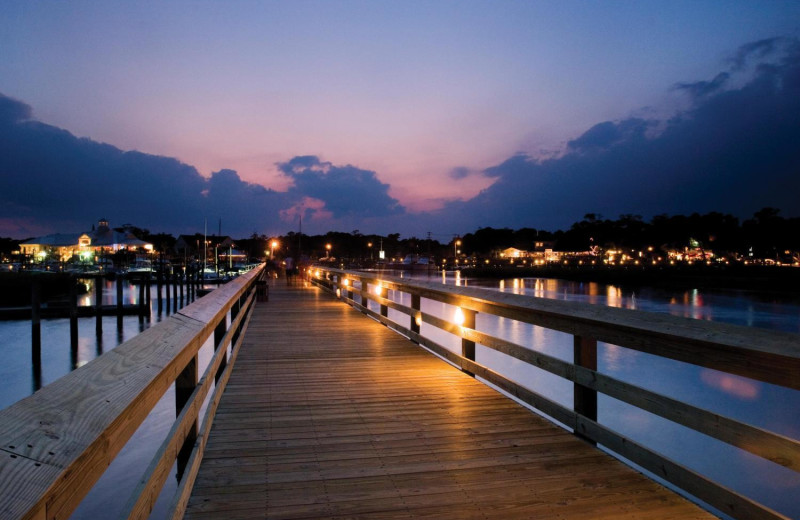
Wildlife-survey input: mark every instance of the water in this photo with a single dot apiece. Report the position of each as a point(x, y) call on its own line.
point(750, 401)
point(760, 404)
point(18, 381)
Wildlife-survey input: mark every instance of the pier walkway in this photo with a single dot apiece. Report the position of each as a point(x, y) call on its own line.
point(329, 414)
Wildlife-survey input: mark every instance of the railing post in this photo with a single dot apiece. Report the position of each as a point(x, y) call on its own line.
point(467, 346)
point(415, 304)
point(364, 290)
point(185, 384)
point(585, 399)
point(383, 292)
point(219, 333)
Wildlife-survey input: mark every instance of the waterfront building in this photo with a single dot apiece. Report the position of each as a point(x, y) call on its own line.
point(63, 247)
point(60, 246)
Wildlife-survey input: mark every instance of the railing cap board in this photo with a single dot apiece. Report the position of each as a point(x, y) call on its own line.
point(763, 354)
point(55, 443)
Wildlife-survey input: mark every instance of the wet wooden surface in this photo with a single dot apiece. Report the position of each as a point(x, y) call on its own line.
point(329, 414)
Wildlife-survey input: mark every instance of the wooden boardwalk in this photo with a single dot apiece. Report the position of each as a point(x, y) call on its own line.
point(329, 414)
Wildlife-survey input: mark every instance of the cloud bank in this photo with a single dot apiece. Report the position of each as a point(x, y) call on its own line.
point(735, 149)
point(51, 180)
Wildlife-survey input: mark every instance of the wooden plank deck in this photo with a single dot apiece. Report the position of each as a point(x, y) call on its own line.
point(329, 414)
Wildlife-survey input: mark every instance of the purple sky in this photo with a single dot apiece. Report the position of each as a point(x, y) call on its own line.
point(393, 116)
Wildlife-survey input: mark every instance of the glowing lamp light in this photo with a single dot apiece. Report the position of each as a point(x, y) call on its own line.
point(338, 293)
point(418, 319)
point(346, 282)
point(458, 318)
point(377, 289)
point(317, 273)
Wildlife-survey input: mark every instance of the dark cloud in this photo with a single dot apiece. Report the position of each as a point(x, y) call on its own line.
point(346, 191)
point(460, 172)
point(51, 180)
point(605, 135)
point(701, 89)
point(736, 150)
point(757, 50)
point(13, 111)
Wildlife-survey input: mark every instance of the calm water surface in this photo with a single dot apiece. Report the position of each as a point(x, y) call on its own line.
point(753, 402)
point(17, 380)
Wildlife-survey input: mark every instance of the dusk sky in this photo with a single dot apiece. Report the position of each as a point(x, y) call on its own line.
point(386, 117)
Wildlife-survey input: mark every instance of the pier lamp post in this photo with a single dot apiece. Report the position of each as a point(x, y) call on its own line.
point(327, 250)
point(456, 243)
point(369, 245)
point(273, 245)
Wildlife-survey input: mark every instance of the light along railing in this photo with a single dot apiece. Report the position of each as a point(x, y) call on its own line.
point(55, 444)
point(763, 355)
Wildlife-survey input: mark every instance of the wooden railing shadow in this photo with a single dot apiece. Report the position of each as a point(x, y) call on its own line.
point(55, 444)
point(763, 355)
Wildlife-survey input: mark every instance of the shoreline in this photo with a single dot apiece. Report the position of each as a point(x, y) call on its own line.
point(744, 278)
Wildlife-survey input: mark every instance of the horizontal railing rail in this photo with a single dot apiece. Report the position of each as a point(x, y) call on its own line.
point(56, 444)
point(763, 355)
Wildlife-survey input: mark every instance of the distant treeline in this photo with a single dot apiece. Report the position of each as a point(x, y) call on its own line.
point(766, 235)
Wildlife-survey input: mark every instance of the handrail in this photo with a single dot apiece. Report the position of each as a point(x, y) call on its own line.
point(764, 355)
point(55, 444)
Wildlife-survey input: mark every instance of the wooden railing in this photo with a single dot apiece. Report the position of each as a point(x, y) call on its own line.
point(55, 444)
point(763, 355)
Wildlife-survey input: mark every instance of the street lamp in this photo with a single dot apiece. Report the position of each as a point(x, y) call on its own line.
point(273, 245)
point(327, 250)
point(369, 245)
point(456, 243)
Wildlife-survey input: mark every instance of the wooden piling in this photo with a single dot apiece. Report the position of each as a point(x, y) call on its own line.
point(119, 302)
point(36, 324)
point(73, 320)
point(142, 283)
point(98, 304)
point(159, 280)
point(147, 293)
point(166, 292)
point(175, 281)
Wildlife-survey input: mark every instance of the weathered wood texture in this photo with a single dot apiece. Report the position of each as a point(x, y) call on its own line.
point(55, 444)
point(328, 414)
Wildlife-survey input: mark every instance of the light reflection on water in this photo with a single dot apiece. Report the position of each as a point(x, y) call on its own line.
point(753, 402)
